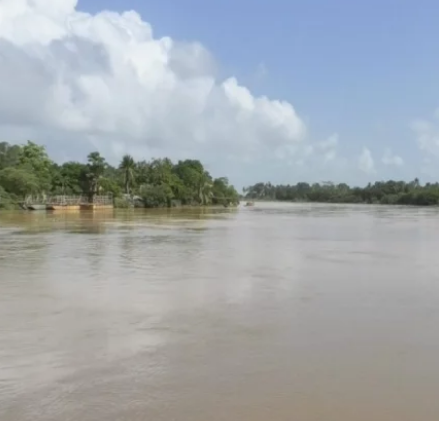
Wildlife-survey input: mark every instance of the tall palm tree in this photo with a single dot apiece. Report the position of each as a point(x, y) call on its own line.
point(205, 185)
point(415, 183)
point(128, 167)
point(96, 167)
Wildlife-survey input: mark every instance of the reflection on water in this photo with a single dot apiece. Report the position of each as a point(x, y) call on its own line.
point(280, 312)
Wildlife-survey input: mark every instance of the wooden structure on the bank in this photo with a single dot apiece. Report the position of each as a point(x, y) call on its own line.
point(98, 203)
point(33, 203)
point(32, 206)
point(65, 202)
point(69, 203)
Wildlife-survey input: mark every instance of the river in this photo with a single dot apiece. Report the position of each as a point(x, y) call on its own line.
point(279, 312)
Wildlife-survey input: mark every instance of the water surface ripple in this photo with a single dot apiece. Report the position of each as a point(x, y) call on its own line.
point(277, 312)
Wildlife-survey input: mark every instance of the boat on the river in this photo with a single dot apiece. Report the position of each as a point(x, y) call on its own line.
point(33, 203)
point(250, 204)
point(64, 203)
point(35, 206)
point(98, 203)
point(96, 206)
point(69, 203)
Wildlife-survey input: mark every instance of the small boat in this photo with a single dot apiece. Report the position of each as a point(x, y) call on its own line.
point(36, 207)
point(64, 203)
point(96, 206)
point(98, 203)
point(63, 207)
point(250, 204)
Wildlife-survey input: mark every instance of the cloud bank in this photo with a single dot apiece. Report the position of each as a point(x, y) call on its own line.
point(77, 82)
point(427, 135)
point(392, 160)
point(366, 162)
point(80, 81)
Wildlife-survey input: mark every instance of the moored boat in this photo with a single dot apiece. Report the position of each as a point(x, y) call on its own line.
point(96, 206)
point(98, 203)
point(63, 207)
point(35, 207)
point(64, 203)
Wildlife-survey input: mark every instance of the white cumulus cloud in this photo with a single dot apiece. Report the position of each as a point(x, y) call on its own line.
point(80, 81)
point(328, 147)
point(427, 134)
point(366, 162)
point(390, 159)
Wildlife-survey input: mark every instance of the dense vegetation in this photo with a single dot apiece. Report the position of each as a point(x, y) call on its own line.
point(27, 171)
point(382, 192)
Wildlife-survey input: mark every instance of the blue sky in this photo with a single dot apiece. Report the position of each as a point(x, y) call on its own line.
point(364, 71)
point(361, 69)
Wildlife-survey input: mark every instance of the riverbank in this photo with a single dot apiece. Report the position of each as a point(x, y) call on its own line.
point(381, 192)
point(14, 207)
point(422, 204)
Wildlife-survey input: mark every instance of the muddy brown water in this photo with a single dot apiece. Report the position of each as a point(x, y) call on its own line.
point(277, 312)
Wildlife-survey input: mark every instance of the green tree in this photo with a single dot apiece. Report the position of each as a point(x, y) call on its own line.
point(19, 181)
point(389, 192)
point(159, 195)
point(28, 170)
point(73, 178)
point(110, 186)
point(95, 170)
point(204, 188)
point(196, 181)
point(9, 155)
point(223, 192)
point(34, 159)
point(128, 168)
point(6, 201)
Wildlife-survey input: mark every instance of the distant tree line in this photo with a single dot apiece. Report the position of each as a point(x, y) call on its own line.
point(382, 192)
point(27, 171)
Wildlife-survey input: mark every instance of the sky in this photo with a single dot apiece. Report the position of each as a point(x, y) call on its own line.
point(280, 91)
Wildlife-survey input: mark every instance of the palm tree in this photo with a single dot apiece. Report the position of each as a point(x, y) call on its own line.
point(415, 183)
point(128, 166)
point(96, 167)
point(205, 188)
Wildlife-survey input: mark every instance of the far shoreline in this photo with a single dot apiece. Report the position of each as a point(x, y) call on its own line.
point(241, 204)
